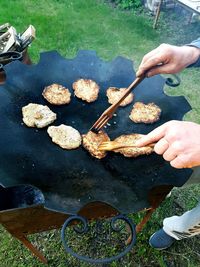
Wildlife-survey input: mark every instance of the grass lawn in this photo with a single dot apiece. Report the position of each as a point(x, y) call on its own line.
point(68, 26)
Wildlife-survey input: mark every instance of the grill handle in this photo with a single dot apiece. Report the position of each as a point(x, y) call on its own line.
point(173, 81)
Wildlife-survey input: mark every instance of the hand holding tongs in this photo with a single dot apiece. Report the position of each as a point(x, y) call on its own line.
point(108, 113)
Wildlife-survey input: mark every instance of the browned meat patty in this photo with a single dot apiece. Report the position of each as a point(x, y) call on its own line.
point(91, 142)
point(35, 115)
point(134, 152)
point(114, 94)
point(145, 113)
point(87, 90)
point(65, 136)
point(57, 94)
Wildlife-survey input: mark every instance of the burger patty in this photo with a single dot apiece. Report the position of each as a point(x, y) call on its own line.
point(91, 142)
point(35, 115)
point(65, 136)
point(114, 94)
point(134, 152)
point(87, 90)
point(145, 113)
point(56, 94)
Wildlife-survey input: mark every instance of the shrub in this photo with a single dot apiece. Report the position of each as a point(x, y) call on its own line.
point(127, 4)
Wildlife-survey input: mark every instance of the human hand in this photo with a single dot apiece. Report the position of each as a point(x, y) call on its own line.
point(168, 59)
point(177, 141)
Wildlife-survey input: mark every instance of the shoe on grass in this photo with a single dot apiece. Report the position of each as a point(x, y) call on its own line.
point(160, 240)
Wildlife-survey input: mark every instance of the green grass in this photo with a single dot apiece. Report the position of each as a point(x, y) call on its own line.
point(68, 26)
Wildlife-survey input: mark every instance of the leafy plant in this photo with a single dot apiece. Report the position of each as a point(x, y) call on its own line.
point(128, 4)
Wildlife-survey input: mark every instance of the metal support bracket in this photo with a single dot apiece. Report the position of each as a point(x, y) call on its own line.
point(85, 228)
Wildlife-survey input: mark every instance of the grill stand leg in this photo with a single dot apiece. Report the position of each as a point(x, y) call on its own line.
point(30, 246)
point(140, 226)
point(157, 15)
point(147, 216)
point(156, 196)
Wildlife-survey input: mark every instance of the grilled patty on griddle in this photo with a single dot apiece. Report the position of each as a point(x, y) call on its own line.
point(86, 89)
point(114, 94)
point(56, 94)
point(65, 136)
point(145, 113)
point(91, 142)
point(35, 115)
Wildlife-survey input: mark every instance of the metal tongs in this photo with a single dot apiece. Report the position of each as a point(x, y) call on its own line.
point(108, 113)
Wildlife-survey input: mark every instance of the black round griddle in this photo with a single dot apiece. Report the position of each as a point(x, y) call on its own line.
point(71, 179)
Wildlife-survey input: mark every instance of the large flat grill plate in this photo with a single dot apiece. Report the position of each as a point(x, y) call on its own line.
point(70, 179)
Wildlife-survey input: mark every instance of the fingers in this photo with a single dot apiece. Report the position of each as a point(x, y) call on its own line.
point(169, 154)
point(176, 160)
point(175, 149)
point(164, 69)
point(146, 58)
point(150, 61)
point(152, 137)
point(180, 162)
point(161, 147)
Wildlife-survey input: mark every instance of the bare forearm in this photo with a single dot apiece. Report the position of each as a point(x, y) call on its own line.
point(196, 45)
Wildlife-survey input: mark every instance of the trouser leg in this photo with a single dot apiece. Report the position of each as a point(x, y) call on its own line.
point(188, 224)
point(184, 226)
